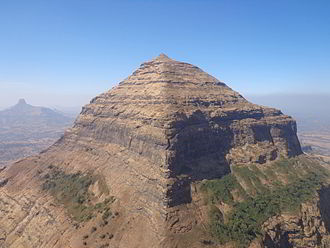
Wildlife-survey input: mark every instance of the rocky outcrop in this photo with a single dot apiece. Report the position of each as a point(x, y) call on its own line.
point(165, 126)
point(307, 228)
point(3, 182)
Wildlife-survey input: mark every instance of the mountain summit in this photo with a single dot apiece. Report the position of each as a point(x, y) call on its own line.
point(21, 102)
point(138, 150)
point(162, 57)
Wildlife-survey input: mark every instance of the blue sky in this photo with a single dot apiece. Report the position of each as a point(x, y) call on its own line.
point(62, 53)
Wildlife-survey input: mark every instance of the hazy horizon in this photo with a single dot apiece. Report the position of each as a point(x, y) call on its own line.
point(297, 105)
point(71, 100)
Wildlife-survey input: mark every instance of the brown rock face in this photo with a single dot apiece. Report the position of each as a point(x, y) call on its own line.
point(165, 126)
point(307, 228)
point(186, 122)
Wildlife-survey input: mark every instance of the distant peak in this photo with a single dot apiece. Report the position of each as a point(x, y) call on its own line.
point(162, 57)
point(21, 101)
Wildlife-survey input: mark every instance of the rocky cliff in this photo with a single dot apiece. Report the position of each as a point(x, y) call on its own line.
point(307, 228)
point(147, 141)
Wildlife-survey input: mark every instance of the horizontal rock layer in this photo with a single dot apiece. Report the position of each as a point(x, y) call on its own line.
point(165, 126)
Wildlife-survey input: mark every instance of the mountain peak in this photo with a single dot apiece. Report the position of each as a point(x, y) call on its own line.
point(162, 57)
point(151, 139)
point(21, 101)
point(162, 73)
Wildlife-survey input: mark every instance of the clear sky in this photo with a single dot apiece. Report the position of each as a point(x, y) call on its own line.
point(63, 52)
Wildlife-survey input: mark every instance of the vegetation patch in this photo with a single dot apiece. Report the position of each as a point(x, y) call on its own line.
point(244, 223)
point(71, 190)
point(261, 201)
point(220, 190)
point(251, 178)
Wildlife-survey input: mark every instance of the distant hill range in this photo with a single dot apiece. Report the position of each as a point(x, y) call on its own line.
point(26, 130)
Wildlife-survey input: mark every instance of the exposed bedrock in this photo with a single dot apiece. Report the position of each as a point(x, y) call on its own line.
point(163, 127)
point(309, 228)
point(187, 123)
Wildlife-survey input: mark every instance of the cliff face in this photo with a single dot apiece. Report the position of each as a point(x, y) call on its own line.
point(307, 228)
point(167, 125)
point(186, 122)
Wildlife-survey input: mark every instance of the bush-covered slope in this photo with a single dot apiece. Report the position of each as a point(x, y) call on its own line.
point(263, 191)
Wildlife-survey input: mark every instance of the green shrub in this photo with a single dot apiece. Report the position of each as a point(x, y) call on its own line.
point(71, 190)
point(251, 178)
point(244, 222)
point(220, 190)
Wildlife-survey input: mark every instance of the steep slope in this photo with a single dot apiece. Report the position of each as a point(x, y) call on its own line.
point(280, 204)
point(145, 143)
point(27, 130)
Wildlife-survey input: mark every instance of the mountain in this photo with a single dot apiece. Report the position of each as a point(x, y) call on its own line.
point(27, 130)
point(170, 157)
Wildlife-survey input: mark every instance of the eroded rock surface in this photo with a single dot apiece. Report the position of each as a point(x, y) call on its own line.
point(165, 126)
point(307, 228)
